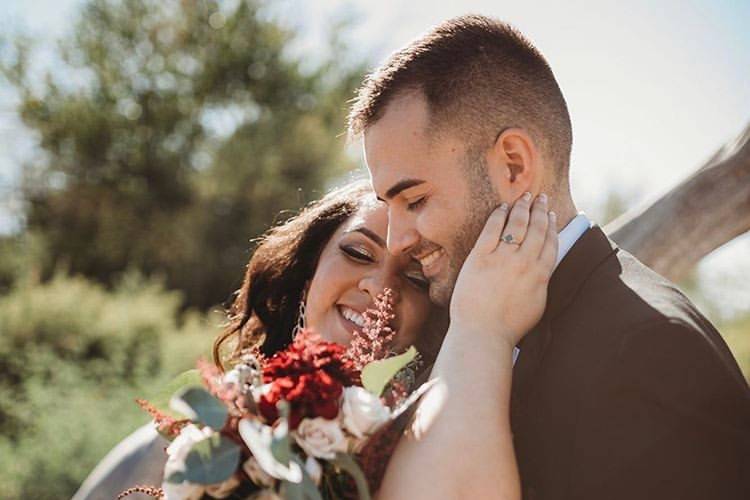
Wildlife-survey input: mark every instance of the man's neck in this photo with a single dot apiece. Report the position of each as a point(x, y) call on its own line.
point(566, 212)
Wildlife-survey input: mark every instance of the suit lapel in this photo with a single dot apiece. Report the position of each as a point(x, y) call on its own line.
point(584, 257)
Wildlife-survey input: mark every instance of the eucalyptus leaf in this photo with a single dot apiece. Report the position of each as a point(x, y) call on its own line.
point(377, 374)
point(160, 398)
point(258, 437)
point(176, 477)
point(212, 460)
point(351, 467)
point(309, 488)
point(292, 491)
point(199, 405)
point(281, 447)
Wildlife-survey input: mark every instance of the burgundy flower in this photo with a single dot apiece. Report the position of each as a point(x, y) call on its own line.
point(310, 375)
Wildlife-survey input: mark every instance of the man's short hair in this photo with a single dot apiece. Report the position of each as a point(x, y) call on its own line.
point(479, 76)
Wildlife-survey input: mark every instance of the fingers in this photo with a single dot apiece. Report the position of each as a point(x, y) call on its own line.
point(548, 255)
point(518, 220)
point(493, 228)
point(537, 228)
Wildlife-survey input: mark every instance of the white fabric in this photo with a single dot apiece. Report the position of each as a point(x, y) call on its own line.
point(570, 234)
point(138, 459)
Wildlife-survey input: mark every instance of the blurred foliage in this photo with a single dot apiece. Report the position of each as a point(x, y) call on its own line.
point(173, 133)
point(736, 332)
point(73, 357)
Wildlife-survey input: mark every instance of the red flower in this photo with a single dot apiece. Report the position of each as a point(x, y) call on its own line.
point(310, 375)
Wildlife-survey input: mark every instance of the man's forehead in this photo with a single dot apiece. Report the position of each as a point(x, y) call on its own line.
point(393, 151)
point(389, 178)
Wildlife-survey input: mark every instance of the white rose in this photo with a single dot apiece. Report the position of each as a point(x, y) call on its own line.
point(224, 489)
point(320, 437)
point(256, 473)
point(177, 452)
point(362, 412)
point(314, 470)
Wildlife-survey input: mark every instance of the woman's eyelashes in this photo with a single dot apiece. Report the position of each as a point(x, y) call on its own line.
point(357, 253)
point(362, 255)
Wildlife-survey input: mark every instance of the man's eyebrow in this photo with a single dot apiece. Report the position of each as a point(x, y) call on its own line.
point(400, 186)
point(370, 234)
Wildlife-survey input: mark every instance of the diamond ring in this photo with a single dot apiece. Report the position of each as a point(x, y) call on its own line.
point(508, 238)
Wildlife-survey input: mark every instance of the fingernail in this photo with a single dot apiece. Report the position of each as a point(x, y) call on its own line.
point(543, 198)
point(553, 215)
point(504, 206)
point(527, 196)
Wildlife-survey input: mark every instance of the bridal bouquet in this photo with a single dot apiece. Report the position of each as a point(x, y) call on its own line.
point(295, 425)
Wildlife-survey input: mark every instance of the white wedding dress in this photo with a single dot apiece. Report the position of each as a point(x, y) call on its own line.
point(137, 460)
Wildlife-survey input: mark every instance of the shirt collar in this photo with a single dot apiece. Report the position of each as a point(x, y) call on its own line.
point(571, 233)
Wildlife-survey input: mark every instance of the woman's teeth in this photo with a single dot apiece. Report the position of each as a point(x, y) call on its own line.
point(353, 316)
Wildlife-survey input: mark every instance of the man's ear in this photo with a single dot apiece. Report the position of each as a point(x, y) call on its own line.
point(513, 163)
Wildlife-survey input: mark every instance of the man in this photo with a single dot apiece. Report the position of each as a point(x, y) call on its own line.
point(623, 389)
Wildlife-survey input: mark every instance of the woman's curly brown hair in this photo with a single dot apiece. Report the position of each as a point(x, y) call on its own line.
point(265, 308)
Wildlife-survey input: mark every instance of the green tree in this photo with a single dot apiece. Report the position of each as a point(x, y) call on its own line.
point(173, 134)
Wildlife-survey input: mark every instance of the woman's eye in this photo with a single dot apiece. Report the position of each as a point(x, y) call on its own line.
point(416, 203)
point(358, 254)
point(419, 281)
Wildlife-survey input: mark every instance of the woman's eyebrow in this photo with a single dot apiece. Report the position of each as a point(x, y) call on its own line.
point(370, 234)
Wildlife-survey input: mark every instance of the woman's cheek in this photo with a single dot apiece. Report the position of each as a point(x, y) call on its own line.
point(412, 316)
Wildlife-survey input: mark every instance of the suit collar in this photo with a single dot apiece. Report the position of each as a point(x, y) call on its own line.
point(591, 249)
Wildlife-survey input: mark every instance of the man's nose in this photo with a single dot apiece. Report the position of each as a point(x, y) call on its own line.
point(401, 236)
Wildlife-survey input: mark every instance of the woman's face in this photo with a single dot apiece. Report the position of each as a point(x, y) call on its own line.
point(353, 269)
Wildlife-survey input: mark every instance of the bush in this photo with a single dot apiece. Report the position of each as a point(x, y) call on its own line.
point(73, 357)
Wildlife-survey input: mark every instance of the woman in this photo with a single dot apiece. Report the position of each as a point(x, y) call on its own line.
point(323, 267)
point(331, 259)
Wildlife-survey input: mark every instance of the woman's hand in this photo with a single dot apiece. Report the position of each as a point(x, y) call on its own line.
point(502, 286)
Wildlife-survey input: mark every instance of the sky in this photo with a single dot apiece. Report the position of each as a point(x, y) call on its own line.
point(653, 88)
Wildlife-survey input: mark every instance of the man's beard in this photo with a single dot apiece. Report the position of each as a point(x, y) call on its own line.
point(481, 200)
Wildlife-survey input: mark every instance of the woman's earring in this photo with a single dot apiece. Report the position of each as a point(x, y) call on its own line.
point(300, 316)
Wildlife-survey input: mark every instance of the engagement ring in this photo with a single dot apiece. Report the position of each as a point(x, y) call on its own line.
point(508, 238)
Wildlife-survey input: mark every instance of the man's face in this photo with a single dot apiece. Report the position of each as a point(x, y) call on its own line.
point(436, 206)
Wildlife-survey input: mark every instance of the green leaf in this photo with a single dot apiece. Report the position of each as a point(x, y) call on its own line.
point(281, 447)
point(292, 491)
point(350, 466)
point(212, 460)
point(176, 477)
point(199, 405)
point(376, 375)
point(161, 397)
point(309, 488)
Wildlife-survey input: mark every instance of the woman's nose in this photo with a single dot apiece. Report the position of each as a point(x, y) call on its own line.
point(375, 283)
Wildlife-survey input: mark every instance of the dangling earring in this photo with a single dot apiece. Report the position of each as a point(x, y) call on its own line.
point(300, 316)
